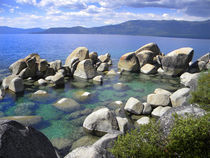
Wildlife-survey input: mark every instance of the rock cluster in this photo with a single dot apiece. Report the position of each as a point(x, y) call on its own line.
point(149, 60)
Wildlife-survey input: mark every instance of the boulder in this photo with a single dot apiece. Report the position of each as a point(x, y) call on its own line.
point(123, 124)
point(143, 121)
point(100, 149)
point(43, 65)
point(162, 91)
point(40, 93)
point(147, 109)
point(85, 70)
point(159, 111)
point(109, 62)
point(104, 58)
point(177, 61)
point(200, 64)
point(103, 67)
point(180, 97)
point(134, 106)
point(42, 82)
point(81, 53)
point(111, 73)
point(56, 65)
point(190, 80)
point(28, 72)
point(160, 71)
point(158, 100)
point(98, 79)
point(6, 81)
point(120, 86)
point(49, 72)
point(94, 57)
point(67, 105)
point(18, 141)
point(2, 94)
point(129, 62)
point(16, 85)
point(145, 57)
point(167, 120)
point(58, 79)
point(100, 122)
point(82, 96)
point(153, 47)
point(17, 66)
point(25, 120)
point(149, 69)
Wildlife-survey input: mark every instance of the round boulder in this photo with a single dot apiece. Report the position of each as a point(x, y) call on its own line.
point(67, 105)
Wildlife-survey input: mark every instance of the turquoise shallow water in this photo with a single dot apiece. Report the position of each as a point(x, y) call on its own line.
point(58, 124)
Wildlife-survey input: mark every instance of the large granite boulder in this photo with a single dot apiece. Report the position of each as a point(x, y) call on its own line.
point(158, 100)
point(17, 66)
point(177, 61)
point(145, 57)
point(18, 141)
point(134, 106)
point(85, 70)
point(67, 105)
point(159, 111)
point(143, 121)
point(43, 65)
point(16, 85)
point(6, 81)
point(129, 62)
point(153, 47)
point(190, 80)
point(200, 64)
point(81, 52)
point(167, 119)
point(100, 122)
point(162, 91)
point(180, 97)
point(103, 67)
point(58, 79)
point(94, 57)
point(98, 79)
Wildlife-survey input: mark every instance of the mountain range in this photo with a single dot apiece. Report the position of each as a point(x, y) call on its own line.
point(164, 28)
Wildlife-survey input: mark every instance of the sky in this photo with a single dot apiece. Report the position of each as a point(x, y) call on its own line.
point(90, 13)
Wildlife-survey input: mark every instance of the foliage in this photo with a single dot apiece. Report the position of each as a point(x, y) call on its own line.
point(189, 137)
point(202, 93)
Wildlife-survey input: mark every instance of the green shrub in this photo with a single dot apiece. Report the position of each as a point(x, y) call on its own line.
point(189, 137)
point(202, 93)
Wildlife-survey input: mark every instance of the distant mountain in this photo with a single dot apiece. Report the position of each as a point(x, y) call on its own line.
point(10, 30)
point(165, 28)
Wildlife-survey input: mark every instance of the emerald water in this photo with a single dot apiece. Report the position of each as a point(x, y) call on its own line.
point(57, 124)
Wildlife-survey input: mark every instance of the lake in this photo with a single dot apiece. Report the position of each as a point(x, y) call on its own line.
point(58, 125)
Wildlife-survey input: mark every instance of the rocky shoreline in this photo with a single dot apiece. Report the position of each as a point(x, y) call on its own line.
point(104, 122)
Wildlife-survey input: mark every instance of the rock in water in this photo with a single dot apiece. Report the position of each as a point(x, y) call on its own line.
point(18, 141)
point(85, 70)
point(67, 105)
point(177, 61)
point(153, 47)
point(103, 67)
point(16, 85)
point(145, 57)
point(166, 120)
point(104, 58)
point(94, 57)
point(149, 69)
point(18, 66)
point(100, 122)
point(129, 62)
point(81, 53)
point(56, 65)
point(134, 106)
point(98, 79)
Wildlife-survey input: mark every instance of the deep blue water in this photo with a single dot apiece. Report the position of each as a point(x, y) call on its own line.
point(51, 47)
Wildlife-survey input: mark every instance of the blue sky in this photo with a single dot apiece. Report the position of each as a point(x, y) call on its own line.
point(89, 13)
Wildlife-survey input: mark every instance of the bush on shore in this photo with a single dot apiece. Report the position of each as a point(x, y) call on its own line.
point(189, 137)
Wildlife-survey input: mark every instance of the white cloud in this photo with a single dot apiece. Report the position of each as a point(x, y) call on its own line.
point(12, 10)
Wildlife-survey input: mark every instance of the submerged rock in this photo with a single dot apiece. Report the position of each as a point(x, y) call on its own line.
point(67, 105)
point(25, 120)
point(129, 62)
point(100, 122)
point(177, 61)
point(18, 141)
point(120, 86)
